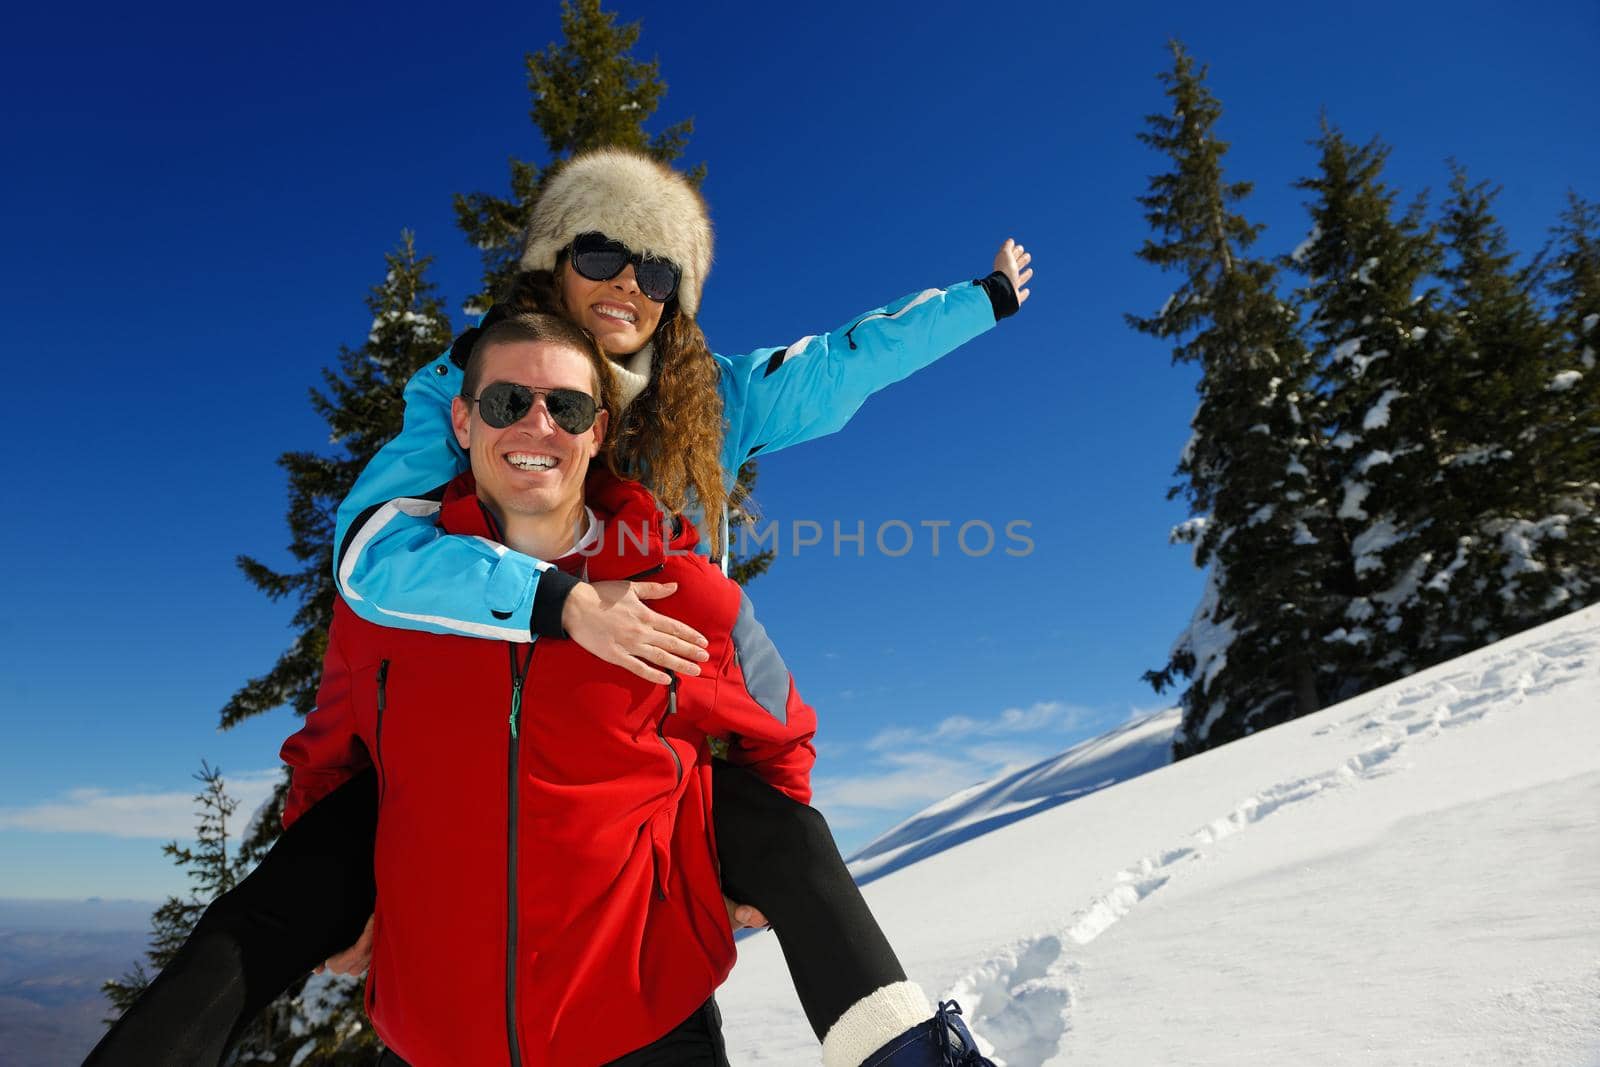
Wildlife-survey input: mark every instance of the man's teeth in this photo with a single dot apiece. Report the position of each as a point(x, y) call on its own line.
point(617, 313)
point(525, 462)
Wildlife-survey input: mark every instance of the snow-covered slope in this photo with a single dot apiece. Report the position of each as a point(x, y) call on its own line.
point(1126, 752)
point(1411, 877)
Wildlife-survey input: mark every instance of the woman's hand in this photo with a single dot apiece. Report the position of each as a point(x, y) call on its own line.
point(610, 620)
point(353, 960)
point(1013, 260)
point(743, 915)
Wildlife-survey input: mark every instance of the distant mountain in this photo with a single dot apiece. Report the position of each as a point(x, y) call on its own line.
point(53, 957)
point(1128, 751)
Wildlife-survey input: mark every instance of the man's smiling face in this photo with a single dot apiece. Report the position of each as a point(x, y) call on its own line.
point(532, 467)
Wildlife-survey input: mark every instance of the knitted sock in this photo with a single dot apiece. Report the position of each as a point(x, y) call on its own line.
point(871, 1021)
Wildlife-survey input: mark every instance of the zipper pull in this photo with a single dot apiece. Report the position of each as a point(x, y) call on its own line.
point(516, 707)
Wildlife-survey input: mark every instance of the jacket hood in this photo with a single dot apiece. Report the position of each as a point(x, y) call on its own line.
point(636, 535)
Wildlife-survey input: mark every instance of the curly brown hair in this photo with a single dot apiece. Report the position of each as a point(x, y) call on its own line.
point(670, 437)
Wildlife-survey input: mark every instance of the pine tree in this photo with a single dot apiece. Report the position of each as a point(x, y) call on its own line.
point(1382, 374)
point(588, 92)
point(1573, 282)
point(1259, 518)
point(361, 403)
point(1565, 442)
point(210, 874)
point(1503, 480)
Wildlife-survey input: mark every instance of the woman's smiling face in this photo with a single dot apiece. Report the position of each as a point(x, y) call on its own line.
point(621, 317)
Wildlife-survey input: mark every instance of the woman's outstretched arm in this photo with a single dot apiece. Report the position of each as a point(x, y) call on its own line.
point(777, 397)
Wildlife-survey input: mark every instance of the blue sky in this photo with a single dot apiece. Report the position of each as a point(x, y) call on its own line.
point(196, 203)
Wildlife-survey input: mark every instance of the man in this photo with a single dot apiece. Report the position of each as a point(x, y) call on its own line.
point(547, 880)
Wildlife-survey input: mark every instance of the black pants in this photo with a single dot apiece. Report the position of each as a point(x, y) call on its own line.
point(695, 1042)
point(312, 894)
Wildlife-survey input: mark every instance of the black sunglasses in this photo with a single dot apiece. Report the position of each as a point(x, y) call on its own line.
point(599, 258)
point(507, 403)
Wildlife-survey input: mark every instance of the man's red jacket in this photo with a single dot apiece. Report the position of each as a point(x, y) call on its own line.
point(546, 866)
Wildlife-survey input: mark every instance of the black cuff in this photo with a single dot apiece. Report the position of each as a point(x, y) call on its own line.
point(549, 597)
point(1001, 294)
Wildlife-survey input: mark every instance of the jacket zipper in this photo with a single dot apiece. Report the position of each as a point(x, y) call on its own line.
point(377, 739)
point(677, 760)
point(661, 725)
point(519, 674)
point(849, 335)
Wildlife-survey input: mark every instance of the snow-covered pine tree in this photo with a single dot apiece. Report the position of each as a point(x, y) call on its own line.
point(588, 92)
point(1252, 653)
point(1573, 421)
point(1382, 372)
point(362, 405)
point(1503, 482)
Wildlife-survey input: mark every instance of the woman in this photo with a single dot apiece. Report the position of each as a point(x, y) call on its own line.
point(622, 245)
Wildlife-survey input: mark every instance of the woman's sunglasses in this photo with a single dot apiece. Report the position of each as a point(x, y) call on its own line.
point(507, 403)
point(599, 258)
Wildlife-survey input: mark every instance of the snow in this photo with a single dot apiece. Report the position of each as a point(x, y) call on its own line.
point(1209, 637)
point(1372, 459)
point(1359, 636)
point(1370, 544)
point(1360, 363)
point(1520, 540)
point(1128, 751)
point(1355, 494)
point(422, 326)
point(1589, 322)
point(1303, 249)
point(1403, 590)
point(1475, 456)
point(1565, 380)
point(1379, 415)
point(1405, 878)
point(1440, 583)
point(1364, 275)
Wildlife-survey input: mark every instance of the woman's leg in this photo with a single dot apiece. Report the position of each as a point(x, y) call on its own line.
point(308, 898)
point(779, 856)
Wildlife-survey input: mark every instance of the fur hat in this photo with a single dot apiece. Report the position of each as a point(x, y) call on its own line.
point(628, 196)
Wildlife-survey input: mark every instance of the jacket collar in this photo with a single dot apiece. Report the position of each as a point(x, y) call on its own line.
point(635, 534)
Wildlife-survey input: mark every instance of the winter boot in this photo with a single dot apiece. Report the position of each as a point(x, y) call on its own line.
point(942, 1041)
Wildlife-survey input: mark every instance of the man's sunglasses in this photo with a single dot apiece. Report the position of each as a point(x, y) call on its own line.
point(507, 403)
point(599, 258)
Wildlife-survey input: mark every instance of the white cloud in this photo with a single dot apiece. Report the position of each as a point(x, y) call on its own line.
point(911, 779)
point(903, 769)
point(166, 816)
point(1046, 716)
